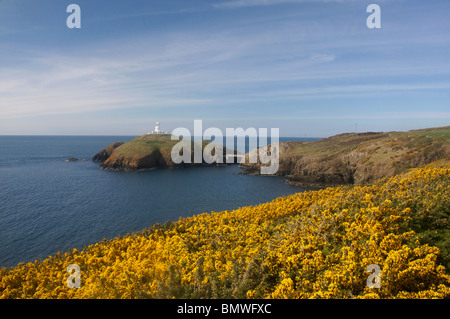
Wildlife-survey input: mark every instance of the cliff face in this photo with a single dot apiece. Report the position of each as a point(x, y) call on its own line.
point(358, 158)
point(148, 151)
point(104, 154)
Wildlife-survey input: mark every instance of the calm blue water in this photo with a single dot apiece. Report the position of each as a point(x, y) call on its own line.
point(49, 205)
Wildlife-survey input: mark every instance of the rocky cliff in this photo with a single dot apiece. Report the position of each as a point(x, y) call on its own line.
point(358, 158)
point(104, 154)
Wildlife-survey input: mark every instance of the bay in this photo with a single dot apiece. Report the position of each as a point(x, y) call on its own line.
point(48, 204)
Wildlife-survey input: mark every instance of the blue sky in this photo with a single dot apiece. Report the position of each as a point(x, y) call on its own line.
point(306, 67)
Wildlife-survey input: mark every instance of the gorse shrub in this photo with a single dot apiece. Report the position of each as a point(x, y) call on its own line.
point(316, 244)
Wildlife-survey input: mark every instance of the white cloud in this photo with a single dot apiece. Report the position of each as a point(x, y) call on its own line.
point(331, 91)
point(190, 70)
point(205, 68)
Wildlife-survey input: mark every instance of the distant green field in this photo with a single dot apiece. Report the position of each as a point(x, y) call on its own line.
point(443, 132)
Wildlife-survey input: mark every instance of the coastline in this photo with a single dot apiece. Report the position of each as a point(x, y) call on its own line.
point(230, 254)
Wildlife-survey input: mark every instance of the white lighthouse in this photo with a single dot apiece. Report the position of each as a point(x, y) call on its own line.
point(157, 130)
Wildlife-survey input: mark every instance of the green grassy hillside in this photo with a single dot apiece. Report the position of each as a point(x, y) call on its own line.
point(360, 158)
point(148, 151)
point(145, 144)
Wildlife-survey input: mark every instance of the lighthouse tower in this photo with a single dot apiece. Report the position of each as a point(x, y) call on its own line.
point(157, 130)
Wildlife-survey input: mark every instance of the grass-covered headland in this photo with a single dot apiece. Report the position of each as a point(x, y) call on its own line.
point(316, 244)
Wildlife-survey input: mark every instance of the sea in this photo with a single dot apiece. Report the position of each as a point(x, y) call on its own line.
point(48, 204)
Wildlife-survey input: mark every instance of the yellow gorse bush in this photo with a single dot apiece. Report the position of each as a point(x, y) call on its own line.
point(316, 244)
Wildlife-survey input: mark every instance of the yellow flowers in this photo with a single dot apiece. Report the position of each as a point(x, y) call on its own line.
point(316, 244)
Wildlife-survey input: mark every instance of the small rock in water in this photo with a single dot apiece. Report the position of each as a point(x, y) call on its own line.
point(71, 159)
